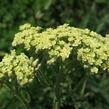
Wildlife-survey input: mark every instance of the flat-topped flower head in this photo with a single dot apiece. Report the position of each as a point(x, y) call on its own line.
point(19, 65)
point(91, 48)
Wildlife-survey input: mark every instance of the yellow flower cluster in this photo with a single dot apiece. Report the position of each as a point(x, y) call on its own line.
point(26, 35)
point(19, 65)
point(91, 48)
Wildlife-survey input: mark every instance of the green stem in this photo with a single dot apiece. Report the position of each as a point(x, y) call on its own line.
point(56, 101)
point(56, 104)
point(83, 87)
point(22, 101)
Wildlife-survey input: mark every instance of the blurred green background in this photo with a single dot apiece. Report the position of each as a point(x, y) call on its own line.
point(92, 14)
